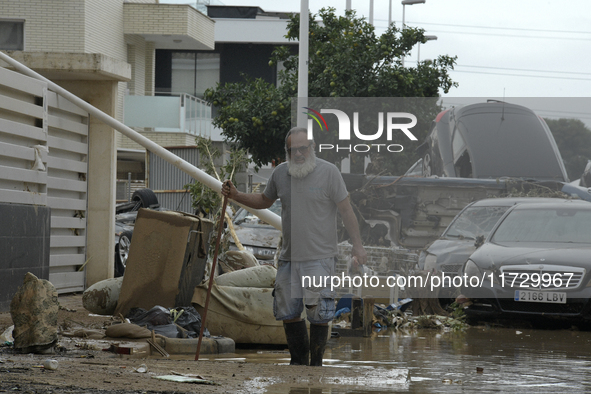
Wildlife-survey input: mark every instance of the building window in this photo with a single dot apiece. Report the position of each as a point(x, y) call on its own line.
point(12, 35)
point(193, 72)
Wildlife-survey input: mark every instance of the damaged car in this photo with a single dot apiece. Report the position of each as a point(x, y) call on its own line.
point(259, 238)
point(534, 263)
point(491, 140)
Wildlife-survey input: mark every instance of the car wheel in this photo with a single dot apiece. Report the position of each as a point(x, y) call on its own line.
point(122, 253)
point(146, 197)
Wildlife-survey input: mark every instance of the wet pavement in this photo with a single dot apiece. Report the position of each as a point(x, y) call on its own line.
point(480, 359)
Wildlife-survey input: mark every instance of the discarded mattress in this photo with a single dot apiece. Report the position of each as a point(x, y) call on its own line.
point(244, 314)
point(262, 276)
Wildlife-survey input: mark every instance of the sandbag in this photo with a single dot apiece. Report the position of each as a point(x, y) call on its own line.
point(262, 276)
point(34, 310)
point(101, 298)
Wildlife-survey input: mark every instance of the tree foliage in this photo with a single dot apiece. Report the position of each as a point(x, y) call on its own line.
point(206, 200)
point(574, 142)
point(346, 59)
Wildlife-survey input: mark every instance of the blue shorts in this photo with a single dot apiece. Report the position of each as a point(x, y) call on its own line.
point(305, 283)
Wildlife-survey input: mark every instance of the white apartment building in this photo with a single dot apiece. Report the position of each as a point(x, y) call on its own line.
point(146, 64)
point(98, 50)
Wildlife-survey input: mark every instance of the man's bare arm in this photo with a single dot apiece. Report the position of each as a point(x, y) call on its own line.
point(252, 200)
point(352, 227)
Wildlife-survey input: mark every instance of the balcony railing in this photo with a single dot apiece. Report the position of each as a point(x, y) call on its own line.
point(180, 113)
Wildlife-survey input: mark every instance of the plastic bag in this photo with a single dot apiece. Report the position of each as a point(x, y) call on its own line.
point(164, 321)
point(188, 318)
point(157, 316)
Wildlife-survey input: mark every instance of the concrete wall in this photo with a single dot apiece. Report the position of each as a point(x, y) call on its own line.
point(59, 28)
point(24, 247)
point(136, 56)
point(103, 28)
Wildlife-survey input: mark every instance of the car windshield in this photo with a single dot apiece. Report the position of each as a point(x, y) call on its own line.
point(475, 221)
point(545, 225)
point(243, 215)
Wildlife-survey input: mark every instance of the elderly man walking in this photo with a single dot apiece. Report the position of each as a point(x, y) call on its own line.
point(311, 191)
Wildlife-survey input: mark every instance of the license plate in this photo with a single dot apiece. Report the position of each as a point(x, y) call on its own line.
point(540, 296)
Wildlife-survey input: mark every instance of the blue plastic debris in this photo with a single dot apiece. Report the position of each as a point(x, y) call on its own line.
point(400, 305)
point(341, 311)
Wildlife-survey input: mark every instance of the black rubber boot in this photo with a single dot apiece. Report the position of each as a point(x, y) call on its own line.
point(297, 342)
point(318, 338)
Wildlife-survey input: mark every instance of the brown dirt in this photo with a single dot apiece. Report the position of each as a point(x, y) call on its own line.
point(88, 369)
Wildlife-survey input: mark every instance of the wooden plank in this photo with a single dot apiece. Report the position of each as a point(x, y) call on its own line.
point(67, 222)
point(66, 203)
point(22, 83)
point(22, 130)
point(67, 282)
point(68, 125)
point(66, 241)
point(63, 260)
point(20, 152)
point(22, 175)
point(56, 101)
point(66, 164)
point(23, 197)
point(66, 184)
point(70, 146)
point(21, 107)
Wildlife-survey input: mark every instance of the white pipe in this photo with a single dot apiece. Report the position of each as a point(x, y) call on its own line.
point(209, 181)
point(390, 14)
point(303, 64)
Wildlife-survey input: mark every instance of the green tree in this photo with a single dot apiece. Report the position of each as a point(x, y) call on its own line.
point(346, 59)
point(574, 141)
point(205, 199)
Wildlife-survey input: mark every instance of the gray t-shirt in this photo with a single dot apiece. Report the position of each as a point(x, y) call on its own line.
point(308, 210)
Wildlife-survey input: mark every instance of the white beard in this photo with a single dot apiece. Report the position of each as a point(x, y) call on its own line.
point(301, 170)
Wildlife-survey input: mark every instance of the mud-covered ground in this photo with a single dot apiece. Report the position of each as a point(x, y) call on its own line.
point(83, 367)
point(478, 359)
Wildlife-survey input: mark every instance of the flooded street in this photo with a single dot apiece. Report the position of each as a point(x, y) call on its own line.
point(479, 359)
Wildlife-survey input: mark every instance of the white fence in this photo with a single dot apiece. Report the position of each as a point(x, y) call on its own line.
point(43, 161)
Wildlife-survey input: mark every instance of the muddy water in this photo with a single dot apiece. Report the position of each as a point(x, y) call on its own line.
point(478, 360)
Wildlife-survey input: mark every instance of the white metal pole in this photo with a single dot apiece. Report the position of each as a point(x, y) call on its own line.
point(348, 5)
point(209, 181)
point(303, 64)
point(371, 12)
point(403, 5)
point(390, 13)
